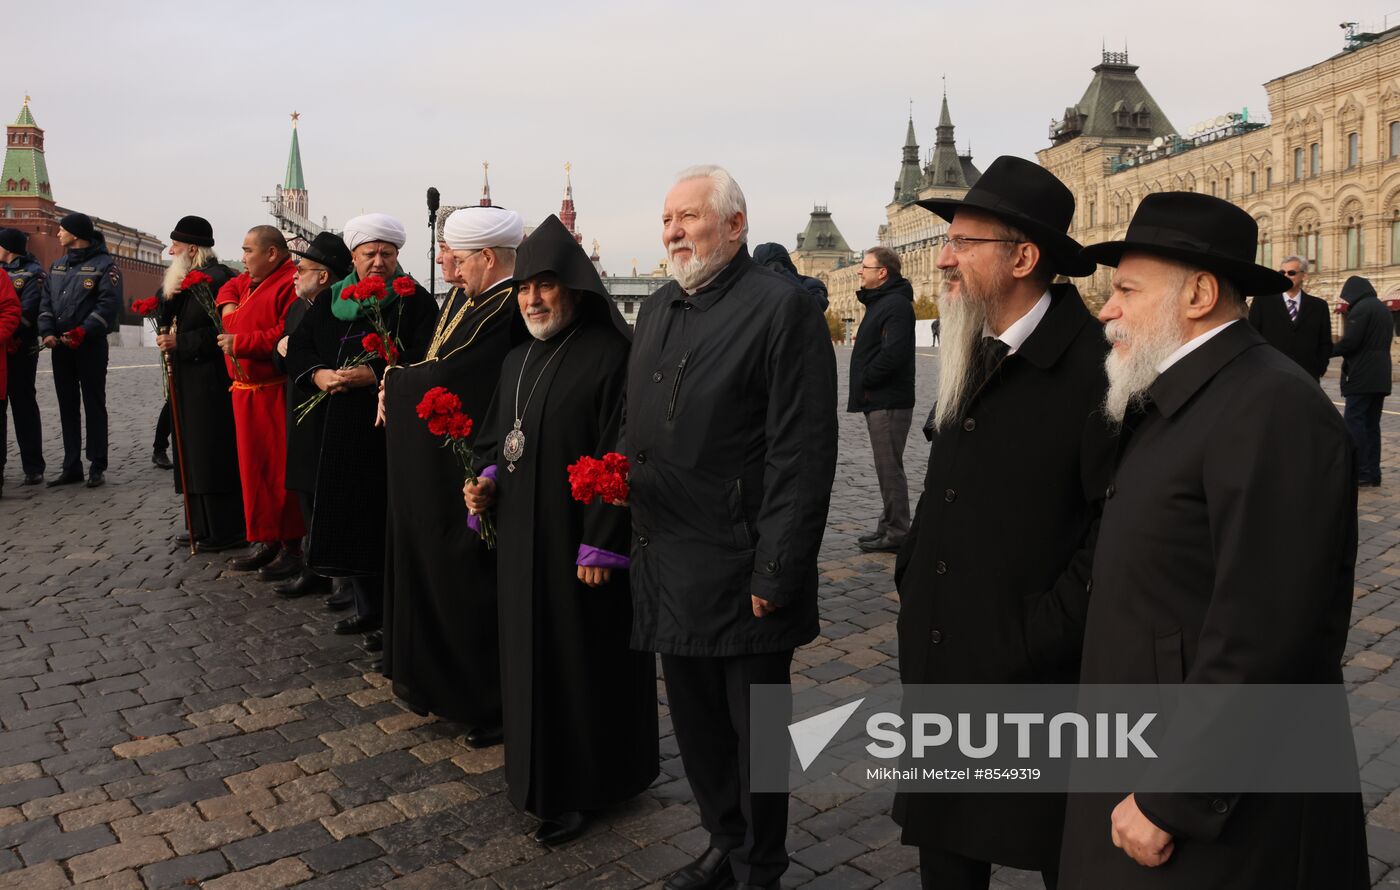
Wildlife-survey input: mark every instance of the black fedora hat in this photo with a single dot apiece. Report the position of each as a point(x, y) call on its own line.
point(1031, 198)
point(1200, 230)
point(193, 230)
point(329, 250)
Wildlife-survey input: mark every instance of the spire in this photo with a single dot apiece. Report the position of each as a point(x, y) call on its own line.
point(294, 178)
point(485, 184)
point(945, 169)
point(25, 173)
point(906, 187)
point(567, 215)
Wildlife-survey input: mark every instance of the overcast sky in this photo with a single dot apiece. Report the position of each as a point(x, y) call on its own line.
point(162, 109)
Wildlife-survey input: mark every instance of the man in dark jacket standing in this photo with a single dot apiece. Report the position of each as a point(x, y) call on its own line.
point(731, 434)
point(1295, 322)
point(1365, 352)
point(22, 366)
point(83, 293)
point(1021, 453)
point(1233, 456)
point(882, 386)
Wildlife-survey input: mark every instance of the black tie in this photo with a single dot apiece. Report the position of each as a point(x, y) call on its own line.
point(993, 352)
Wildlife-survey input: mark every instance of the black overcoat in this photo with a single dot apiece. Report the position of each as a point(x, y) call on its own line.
point(1226, 555)
point(303, 439)
point(203, 404)
point(1308, 341)
point(1365, 343)
point(440, 621)
point(346, 529)
point(580, 705)
point(731, 433)
point(882, 361)
point(994, 576)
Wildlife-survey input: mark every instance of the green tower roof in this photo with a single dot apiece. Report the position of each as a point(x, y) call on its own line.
point(25, 119)
point(294, 179)
point(24, 163)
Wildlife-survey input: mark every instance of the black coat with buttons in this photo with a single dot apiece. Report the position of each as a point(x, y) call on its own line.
point(1226, 556)
point(731, 433)
point(994, 576)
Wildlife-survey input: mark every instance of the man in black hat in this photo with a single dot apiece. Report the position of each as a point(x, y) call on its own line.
point(207, 455)
point(1365, 352)
point(324, 262)
point(1020, 461)
point(580, 706)
point(28, 277)
point(83, 292)
point(1226, 551)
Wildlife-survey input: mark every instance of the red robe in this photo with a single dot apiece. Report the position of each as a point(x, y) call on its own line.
point(9, 327)
point(260, 402)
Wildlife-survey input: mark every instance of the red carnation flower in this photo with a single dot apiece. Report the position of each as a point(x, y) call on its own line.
point(438, 424)
point(372, 288)
point(194, 279)
point(145, 307)
point(74, 338)
point(459, 426)
point(350, 292)
point(438, 401)
point(404, 286)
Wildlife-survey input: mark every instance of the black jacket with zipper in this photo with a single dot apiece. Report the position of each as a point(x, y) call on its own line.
point(882, 361)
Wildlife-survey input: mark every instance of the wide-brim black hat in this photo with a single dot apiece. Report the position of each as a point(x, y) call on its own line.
point(1031, 198)
point(551, 248)
point(329, 250)
point(194, 230)
point(1201, 231)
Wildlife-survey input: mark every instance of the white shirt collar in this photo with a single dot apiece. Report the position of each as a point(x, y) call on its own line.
point(497, 284)
point(1191, 346)
point(1020, 330)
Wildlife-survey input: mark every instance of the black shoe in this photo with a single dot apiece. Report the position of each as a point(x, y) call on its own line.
point(283, 567)
point(873, 536)
point(562, 828)
point(485, 736)
point(95, 479)
point(206, 546)
point(880, 545)
point(356, 624)
point(33, 479)
point(65, 479)
point(339, 602)
point(305, 584)
point(710, 872)
point(374, 641)
point(1368, 484)
point(259, 556)
point(161, 459)
point(376, 666)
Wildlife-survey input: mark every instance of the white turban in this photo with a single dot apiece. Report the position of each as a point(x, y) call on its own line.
point(473, 228)
point(374, 227)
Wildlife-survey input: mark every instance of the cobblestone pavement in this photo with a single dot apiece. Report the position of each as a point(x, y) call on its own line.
point(167, 723)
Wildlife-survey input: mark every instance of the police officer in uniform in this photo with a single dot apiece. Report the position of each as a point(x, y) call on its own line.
point(84, 291)
point(28, 278)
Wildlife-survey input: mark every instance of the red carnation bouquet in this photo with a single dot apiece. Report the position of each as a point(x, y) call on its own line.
point(200, 286)
point(72, 339)
point(443, 412)
point(592, 478)
point(378, 343)
point(147, 309)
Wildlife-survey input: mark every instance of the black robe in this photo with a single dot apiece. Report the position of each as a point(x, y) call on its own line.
point(346, 531)
point(303, 439)
point(580, 705)
point(440, 644)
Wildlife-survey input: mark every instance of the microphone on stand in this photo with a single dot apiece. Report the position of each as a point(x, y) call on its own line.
point(434, 201)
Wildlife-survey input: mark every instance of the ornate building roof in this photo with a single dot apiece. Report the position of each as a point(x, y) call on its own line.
point(294, 178)
point(821, 233)
point(906, 188)
point(1115, 106)
point(25, 173)
point(945, 167)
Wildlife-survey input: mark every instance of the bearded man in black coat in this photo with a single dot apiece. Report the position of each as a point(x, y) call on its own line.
point(731, 433)
point(580, 705)
point(1021, 454)
point(1226, 554)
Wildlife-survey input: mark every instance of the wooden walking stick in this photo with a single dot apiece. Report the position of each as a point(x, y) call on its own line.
point(179, 444)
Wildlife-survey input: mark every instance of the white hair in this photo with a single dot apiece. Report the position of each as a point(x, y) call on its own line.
point(726, 198)
point(1302, 263)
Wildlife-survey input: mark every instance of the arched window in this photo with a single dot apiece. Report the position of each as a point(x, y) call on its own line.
point(1395, 139)
point(1395, 237)
point(1297, 164)
point(1314, 159)
point(1353, 150)
point(1355, 247)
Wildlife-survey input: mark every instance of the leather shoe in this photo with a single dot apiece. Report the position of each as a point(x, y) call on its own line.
point(872, 536)
point(220, 546)
point(710, 872)
point(376, 666)
point(374, 641)
point(562, 828)
point(95, 479)
point(356, 624)
point(880, 545)
point(308, 582)
point(339, 601)
point(284, 566)
point(485, 736)
point(161, 459)
point(33, 479)
point(64, 479)
point(261, 554)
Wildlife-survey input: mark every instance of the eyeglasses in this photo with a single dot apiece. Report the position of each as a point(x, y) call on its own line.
point(960, 243)
point(1291, 273)
point(871, 268)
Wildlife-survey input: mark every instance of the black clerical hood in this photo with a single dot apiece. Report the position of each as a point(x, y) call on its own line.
point(551, 249)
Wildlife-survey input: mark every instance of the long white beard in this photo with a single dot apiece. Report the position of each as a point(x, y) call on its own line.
point(695, 271)
point(960, 327)
point(174, 274)
point(1130, 375)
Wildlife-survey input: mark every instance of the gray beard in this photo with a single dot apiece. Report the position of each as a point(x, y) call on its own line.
point(699, 270)
point(558, 321)
point(174, 274)
point(960, 327)
point(1130, 376)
